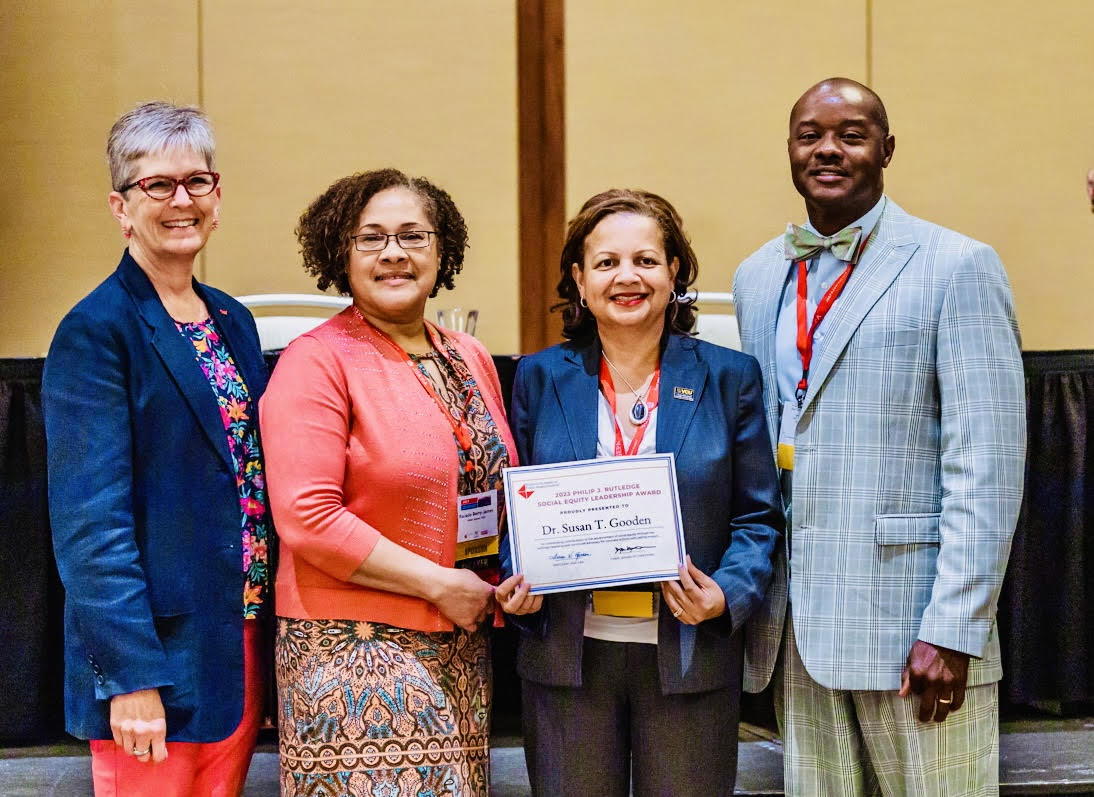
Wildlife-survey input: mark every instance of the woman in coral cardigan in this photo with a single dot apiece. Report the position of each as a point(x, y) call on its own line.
point(385, 439)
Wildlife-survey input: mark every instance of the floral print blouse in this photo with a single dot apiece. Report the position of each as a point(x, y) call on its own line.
point(241, 427)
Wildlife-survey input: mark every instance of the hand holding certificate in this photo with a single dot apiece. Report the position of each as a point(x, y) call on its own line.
point(596, 523)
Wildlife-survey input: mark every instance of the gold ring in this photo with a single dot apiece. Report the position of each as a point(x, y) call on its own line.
point(678, 612)
point(139, 753)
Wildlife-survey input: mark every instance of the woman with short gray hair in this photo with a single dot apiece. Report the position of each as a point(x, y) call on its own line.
point(157, 487)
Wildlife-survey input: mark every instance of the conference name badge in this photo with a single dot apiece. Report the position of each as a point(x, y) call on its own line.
point(788, 429)
point(477, 532)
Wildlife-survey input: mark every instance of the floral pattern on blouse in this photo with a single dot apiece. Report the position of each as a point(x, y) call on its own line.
point(241, 427)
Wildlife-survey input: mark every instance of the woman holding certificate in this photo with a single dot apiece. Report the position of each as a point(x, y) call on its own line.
point(643, 682)
point(385, 440)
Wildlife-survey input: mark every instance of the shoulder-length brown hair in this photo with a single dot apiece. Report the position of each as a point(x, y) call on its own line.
point(577, 321)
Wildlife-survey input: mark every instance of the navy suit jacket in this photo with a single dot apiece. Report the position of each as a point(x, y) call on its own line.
point(728, 498)
point(145, 510)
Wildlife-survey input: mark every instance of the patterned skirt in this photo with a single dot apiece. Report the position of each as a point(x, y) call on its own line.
point(372, 709)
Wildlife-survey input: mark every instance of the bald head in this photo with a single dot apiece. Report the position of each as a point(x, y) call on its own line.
point(862, 95)
point(839, 145)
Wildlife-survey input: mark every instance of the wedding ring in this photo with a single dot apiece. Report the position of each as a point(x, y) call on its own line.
point(678, 612)
point(139, 753)
point(944, 701)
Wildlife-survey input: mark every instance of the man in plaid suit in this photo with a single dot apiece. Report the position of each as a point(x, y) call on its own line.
point(894, 394)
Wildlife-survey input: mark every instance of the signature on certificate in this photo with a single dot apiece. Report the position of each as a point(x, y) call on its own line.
point(631, 548)
point(570, 556)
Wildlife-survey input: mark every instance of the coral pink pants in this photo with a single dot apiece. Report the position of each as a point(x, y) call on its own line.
point(210, 769)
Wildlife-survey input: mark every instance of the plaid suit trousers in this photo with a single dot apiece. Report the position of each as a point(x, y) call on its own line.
point(843, 743)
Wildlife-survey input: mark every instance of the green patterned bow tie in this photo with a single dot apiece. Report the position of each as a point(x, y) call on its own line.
point(801, 244)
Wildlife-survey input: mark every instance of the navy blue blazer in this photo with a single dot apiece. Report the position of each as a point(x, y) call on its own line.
point(145, 510)
point(728, 498)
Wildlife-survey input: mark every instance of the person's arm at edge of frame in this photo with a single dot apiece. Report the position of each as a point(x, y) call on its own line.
point(304, 431)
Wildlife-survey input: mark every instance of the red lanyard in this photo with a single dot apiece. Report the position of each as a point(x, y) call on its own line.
point(651, 404)
point(806, 332)
point(459, 426)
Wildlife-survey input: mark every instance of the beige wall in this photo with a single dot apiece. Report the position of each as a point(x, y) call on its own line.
point(990, 103)
point(993, 111)
point(68, 73)
point(694, 106)
point(426, 87)
point(298, 99)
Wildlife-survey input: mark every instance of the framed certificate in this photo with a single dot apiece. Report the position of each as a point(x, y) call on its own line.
point(595, 523)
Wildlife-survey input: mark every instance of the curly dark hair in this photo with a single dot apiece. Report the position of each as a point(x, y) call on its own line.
point(326, 227)
point(577, 322)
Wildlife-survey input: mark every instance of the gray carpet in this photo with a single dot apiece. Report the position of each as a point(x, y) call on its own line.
point(1053, 757)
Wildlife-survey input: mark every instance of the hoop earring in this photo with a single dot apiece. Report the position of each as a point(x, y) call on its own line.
point(581, 301)
point(674, 298)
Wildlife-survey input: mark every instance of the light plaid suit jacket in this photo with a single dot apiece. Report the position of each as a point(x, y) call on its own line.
point(909, 458)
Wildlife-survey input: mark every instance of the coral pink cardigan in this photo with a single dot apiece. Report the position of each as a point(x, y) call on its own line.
point(355, 449)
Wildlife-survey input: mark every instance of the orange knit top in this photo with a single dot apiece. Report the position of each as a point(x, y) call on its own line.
point(356, 449)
